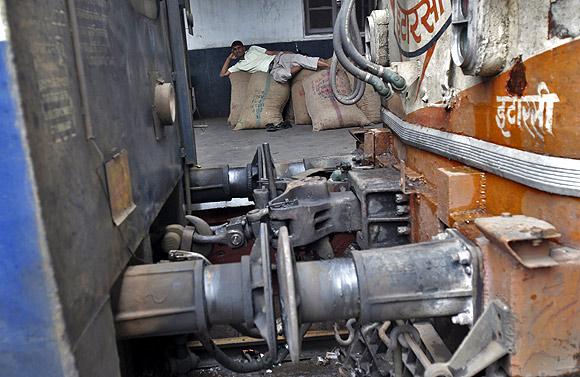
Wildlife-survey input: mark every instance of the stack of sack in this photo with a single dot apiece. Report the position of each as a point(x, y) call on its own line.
point(264, 102)
point(257, 100)
point(239, 83)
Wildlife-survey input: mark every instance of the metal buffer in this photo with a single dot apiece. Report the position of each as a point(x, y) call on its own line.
point(423, 280)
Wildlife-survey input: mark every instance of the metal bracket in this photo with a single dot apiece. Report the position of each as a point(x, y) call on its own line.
point(491, 338)
point(525, 238)
point(312, 212)
point(411, 72)
point(288, 298)
point(260, 275)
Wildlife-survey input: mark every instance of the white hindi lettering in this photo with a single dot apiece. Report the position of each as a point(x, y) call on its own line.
point(534, 113)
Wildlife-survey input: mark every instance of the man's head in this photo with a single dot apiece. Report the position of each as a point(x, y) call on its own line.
point(238, 49)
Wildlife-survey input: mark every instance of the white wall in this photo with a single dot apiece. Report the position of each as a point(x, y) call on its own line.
point(217, 23)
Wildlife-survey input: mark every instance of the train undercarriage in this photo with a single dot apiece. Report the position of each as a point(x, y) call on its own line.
point(430, 308)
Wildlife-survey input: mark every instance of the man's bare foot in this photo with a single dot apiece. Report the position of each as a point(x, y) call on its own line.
point(323, 64)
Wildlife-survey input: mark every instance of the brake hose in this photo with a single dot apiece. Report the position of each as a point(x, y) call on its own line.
point(360, 86)
point(232, 364)
point(357, 92)
point(377, 83)
point(344, 20)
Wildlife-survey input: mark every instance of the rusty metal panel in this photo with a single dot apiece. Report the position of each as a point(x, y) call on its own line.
point(376, 143)
point(546, 306)
point(460, 190)
point(485, 110)
point(503, 195)
point(424, 220)
point(119, 187)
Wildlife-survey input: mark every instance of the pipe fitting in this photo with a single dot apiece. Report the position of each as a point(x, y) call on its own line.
point(397, 81)
point(380, 87)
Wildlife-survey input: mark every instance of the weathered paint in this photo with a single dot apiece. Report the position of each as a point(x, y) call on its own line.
point(563, 23)
point(418, 24)
point(496, 195)
point(460, 191)
point(119, 58)
point(545, 302)
point(533, 114)
point(500, 33)
point(476, 108)
point(531, 106)
point(32, 340)
point(425, 222)
point(503, 195)
point(517, 83)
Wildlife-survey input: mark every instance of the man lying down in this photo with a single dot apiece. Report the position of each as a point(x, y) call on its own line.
point(282, 65)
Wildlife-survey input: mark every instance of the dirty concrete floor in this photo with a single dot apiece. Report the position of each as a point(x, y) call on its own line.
point(218, 144)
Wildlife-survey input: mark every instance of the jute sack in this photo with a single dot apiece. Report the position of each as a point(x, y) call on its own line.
point(370, 103)
point(298, 101)
point(289, 112)
point(265, 102)
point(239, 82)
point(326, 112)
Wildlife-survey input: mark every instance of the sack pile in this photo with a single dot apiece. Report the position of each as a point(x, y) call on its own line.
point(326, 112)
point(265, 102)
point(257, 100)
point(298, 102)
point(239, 82)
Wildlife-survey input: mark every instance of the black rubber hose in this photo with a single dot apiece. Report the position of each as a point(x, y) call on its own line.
point(360, 86)
point(241, 367)
point(358, 42)
point(251, 332)
point(380, 87)
point(376, 82)
point(357, 92)
point(355, 33)
point(231, 364)
point(397, 81)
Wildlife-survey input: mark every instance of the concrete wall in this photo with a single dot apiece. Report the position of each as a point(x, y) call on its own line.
point(219, 22)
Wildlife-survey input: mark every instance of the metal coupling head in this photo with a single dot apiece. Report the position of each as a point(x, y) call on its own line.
point(380, 87)
point(397, 81)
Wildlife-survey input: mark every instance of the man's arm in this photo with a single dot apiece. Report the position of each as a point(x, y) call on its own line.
point(225, 72)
